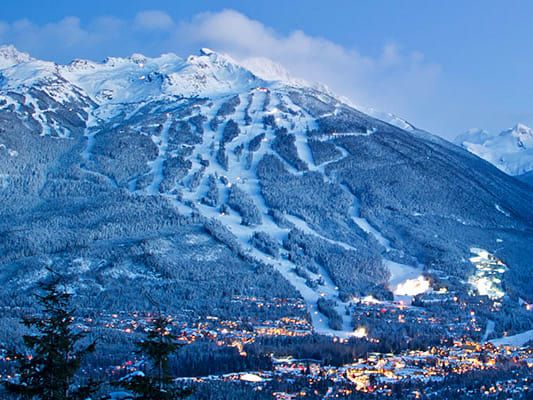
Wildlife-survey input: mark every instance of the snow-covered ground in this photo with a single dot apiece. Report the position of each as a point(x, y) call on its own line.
point(511, 150)
point(161, 142)
point(488, 330)
point(514, 340)
point(245, 177)
point(406, 281)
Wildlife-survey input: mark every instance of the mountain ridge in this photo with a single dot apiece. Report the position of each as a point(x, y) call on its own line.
point(511, 150)
point(292, 183)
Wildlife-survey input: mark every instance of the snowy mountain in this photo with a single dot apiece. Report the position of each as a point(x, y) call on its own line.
point(197, 180)
point(511, 150)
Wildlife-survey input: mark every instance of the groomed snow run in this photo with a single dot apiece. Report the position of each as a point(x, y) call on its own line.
point(514, 340)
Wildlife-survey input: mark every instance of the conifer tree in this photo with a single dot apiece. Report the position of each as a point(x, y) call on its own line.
point(53, 356)
point(157, 347)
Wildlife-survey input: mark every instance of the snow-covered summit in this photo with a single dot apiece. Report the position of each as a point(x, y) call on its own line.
point(204, 51)
point(139, 78)
point(19, 69)
point(522, 133)
point(134, 78)
point(10, 56)
point(511, 150)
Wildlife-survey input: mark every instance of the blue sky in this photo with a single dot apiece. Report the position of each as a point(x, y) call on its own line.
point(445, 66)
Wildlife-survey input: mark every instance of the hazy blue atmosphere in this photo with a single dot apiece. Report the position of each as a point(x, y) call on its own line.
point(445, 67)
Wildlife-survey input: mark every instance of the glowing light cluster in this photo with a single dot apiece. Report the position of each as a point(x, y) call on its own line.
point(360, 332)
point(488, 276)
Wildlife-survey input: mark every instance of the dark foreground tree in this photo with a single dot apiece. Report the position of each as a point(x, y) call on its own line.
point(156, 383)
point(48, 368)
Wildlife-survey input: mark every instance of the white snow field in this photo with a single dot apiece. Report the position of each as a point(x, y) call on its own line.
point(514, 340)
point(511, 150)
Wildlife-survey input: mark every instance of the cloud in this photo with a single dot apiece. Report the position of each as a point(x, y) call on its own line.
point(397, 80)
point(154, 20)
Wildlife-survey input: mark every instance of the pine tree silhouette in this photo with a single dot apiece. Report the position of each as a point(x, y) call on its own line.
point(48, 368)
point(157, 347)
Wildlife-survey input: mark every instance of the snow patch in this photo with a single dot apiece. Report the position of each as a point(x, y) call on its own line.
point(488, 276)
point(406, 281)
point(514, 340)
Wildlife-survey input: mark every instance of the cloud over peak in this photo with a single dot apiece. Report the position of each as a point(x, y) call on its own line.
point(396, 80)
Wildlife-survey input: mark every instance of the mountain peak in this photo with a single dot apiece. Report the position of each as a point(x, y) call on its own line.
point(210, 59)
point(204, 51)
point(138, 58)
point(9, 56)
point(511, 150)
point(521, 130)
point(521, 135)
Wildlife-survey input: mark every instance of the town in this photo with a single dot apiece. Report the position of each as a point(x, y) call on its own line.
point(411, 373)
point(374, 369)
point(380, 374)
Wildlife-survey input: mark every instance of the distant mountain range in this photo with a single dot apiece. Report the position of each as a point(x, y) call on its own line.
point(196, 180)
point(511, 150)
